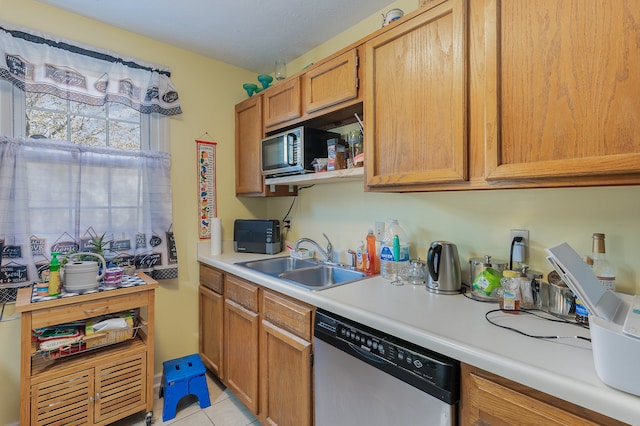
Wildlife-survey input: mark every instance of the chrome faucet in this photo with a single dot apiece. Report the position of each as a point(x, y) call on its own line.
point(328, 254)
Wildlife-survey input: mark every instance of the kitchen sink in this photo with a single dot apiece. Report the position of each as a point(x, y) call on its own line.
point(278, 265)
point(309, 274)
point(322, 276)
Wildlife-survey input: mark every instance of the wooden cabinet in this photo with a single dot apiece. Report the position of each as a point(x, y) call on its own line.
point(241, 326)
point(211, 310)
point(264, 352)
point(331, 83)
point(286, 370)
point(96, 387)
point(282, 103)
point(491, 400)
point(249, 179)
point(249, 133)
point(416, 100)
point(561, 90)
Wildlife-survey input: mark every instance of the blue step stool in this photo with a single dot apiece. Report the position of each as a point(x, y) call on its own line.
point(181, 377)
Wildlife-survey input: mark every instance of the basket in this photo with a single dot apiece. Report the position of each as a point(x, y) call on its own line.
point(9, 291)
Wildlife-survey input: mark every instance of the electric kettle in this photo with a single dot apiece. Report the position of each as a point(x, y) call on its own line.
point(443, 265)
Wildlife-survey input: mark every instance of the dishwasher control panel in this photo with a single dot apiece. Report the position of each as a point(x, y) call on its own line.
point(411, 363)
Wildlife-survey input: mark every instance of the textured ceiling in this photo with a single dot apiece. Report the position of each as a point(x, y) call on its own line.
point(250, 34)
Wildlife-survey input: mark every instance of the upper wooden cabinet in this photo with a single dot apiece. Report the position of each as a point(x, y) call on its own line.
point(249, 133)
point(331, 83)
point(249, 179)
point(562, 89)
point(415, 100)
point(282, 103)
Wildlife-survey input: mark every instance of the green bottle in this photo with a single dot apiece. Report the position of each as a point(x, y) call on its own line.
point(54, 275)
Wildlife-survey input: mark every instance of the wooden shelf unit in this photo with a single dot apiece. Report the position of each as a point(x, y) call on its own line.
point(95, 387)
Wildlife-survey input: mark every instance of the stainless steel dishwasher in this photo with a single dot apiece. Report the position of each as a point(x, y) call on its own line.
point(365, 377)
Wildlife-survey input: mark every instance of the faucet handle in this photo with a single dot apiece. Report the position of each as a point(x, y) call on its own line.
point(329, 248)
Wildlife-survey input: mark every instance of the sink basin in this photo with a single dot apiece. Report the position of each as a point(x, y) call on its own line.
point(278, 265)
point(309, 274)
point(322, 276)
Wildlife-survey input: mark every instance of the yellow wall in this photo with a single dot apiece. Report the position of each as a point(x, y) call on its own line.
point(208, 90)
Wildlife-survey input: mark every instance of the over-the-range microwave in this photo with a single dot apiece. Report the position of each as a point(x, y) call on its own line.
point(293, 151)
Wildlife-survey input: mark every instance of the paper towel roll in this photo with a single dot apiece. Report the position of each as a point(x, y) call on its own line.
point(216, 236)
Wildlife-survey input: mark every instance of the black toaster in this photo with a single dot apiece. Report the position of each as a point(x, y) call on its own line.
point(257, 236)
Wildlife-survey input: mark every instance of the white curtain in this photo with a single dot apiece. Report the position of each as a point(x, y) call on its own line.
point(56, 195)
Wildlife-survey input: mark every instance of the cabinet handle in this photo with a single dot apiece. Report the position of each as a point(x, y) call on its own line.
point(97, 396)
point(90, 399)
point(93, 311)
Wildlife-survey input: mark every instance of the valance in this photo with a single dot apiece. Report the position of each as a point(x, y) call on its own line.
point(40, 64)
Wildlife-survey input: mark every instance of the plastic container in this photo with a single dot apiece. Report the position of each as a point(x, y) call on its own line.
point(392, 263)
point(509, 293)
point(360, 253)
point(55, 288)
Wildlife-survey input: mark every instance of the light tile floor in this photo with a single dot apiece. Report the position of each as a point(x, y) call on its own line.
point(225, 410)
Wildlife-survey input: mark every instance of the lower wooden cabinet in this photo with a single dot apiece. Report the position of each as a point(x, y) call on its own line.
point(241, 325)
point(210, 311)
point(286, 369)
point(491, 400)
point(259, 344)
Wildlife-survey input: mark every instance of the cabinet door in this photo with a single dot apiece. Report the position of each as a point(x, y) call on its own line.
point(249, 179)
point(562, 88)
point(64, 400)
point(495, 401)
point(331, 83)
point(120, 388)
point(282, 103)
point(210, 343)
point(416, 100)
point(241, 353)
point(286, 374)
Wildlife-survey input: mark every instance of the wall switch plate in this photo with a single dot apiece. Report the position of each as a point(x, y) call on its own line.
point(521, 249)
point(378, 230)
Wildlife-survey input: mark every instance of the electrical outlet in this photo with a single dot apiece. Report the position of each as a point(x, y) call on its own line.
point(520, 249)
point(379, 230)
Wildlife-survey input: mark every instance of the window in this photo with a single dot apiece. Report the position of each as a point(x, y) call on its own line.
point(84, 153)
point(111, 124)
point(114, 125)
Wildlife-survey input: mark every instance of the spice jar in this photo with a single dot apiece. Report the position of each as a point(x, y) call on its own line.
point(509, 293)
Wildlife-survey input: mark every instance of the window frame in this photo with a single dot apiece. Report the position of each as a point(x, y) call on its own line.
point(154, 128)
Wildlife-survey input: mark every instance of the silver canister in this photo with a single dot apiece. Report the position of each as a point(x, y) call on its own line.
point(562, 301)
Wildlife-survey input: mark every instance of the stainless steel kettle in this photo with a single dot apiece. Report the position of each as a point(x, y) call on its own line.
point(443, 265)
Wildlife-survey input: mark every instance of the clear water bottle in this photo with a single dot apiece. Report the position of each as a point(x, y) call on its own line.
point(390, 266)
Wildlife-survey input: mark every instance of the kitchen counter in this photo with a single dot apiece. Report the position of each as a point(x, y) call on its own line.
point(456, 326)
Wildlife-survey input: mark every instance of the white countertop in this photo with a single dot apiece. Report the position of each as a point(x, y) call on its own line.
point(456, 326)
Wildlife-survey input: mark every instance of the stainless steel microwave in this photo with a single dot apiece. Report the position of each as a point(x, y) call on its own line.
point(293, 151)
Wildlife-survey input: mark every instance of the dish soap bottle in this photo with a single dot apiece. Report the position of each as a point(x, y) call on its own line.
point(373, 266)
point(360, 259)
point(54, 275)
point(601, 266)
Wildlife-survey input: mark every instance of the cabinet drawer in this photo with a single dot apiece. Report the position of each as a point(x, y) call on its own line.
point(241, 292)
point(84, 310)
point(211, 278)
point(291, 316)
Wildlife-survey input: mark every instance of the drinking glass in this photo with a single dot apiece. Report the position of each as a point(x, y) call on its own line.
point(281, 69)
